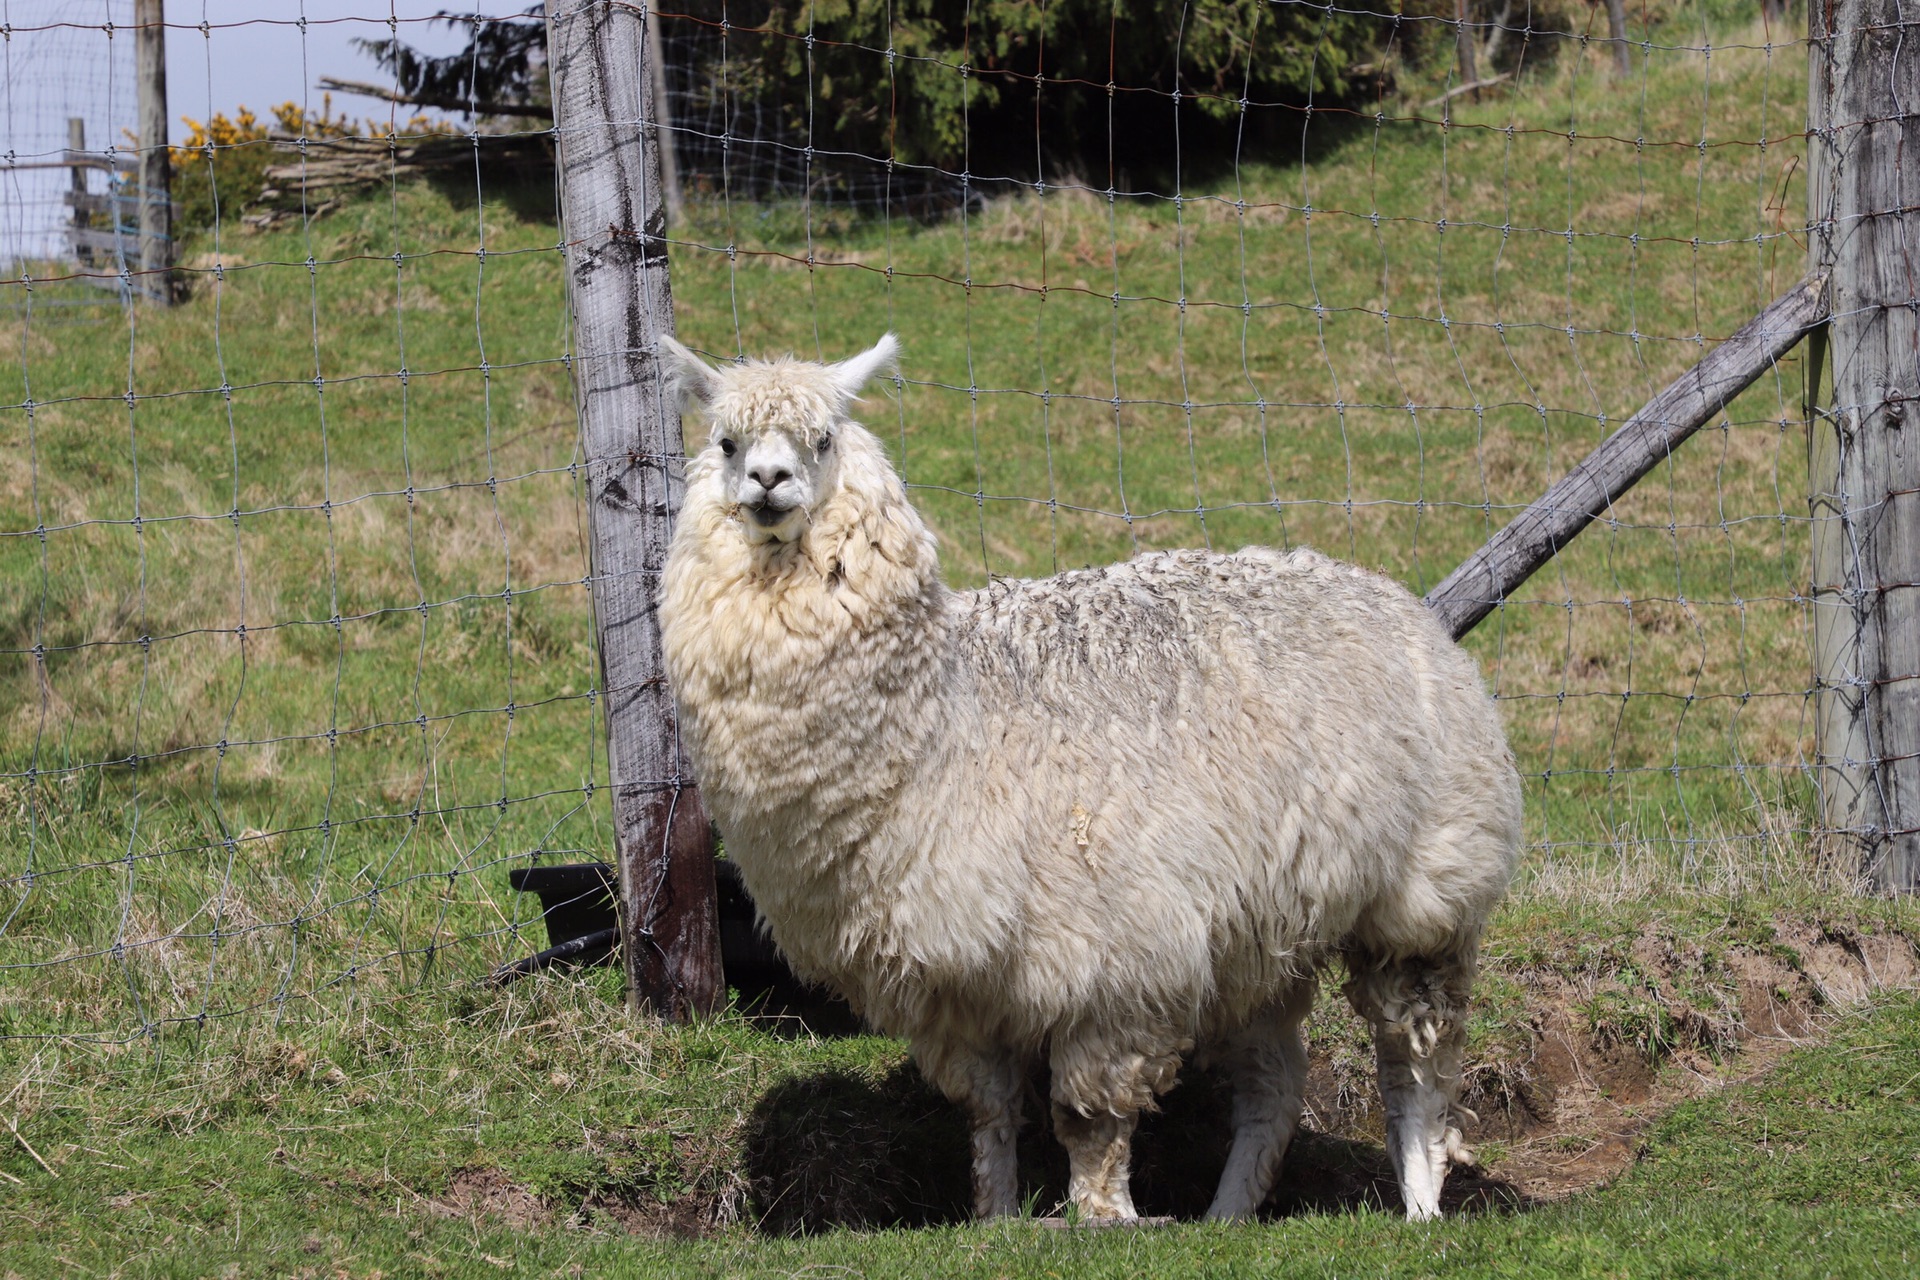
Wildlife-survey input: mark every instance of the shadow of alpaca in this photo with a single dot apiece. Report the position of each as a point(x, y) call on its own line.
point(845, 1149)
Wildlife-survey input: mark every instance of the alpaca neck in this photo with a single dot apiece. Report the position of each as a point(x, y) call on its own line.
point(812, 675)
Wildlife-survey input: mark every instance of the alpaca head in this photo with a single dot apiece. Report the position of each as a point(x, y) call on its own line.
point(777, 431)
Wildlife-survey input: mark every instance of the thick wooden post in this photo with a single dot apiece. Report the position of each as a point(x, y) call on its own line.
point(615, 228)
point(156, 163)
point(1863, 154)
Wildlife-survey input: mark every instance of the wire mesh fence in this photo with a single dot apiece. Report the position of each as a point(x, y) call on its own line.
point(299, 656)
point(66, 84)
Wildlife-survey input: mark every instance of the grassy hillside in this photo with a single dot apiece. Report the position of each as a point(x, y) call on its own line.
point(308, 550)
point(296, 661)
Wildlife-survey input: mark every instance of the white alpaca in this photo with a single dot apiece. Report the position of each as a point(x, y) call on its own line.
point(1105, 818)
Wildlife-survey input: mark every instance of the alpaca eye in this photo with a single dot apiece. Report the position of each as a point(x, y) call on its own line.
point(826, 443)
point(728, 447)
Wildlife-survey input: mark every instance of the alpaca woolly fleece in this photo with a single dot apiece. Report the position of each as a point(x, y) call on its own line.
point(1101, 820)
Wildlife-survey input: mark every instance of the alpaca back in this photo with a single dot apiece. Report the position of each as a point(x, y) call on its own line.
point(1232, 763)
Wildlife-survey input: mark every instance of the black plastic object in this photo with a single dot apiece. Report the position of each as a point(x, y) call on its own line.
point(576, 899)
point(583, 927)
point(591, 948)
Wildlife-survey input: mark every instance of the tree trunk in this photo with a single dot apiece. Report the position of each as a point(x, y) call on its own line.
point(1617, 32)
point(1463, 43)
point(663, 135)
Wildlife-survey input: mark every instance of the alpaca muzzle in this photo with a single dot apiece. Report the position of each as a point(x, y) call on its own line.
point(766, 514)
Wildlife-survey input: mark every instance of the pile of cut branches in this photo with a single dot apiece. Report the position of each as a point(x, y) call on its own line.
point(320, 172)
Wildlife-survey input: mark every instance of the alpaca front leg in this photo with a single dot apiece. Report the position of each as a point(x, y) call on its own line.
point(1099, 1153)
point(1416, 1123)
point(988, 1083)
point(1101, 1083)
point(1268, 1063)
point(996, 1177)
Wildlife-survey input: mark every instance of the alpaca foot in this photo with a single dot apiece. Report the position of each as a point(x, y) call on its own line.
point(1099, 1150)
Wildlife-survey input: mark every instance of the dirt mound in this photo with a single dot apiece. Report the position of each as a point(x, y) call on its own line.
point(1611, 1052)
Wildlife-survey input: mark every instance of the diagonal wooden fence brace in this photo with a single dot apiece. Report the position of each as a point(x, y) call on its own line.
point(615, 231)
point(1509, 558)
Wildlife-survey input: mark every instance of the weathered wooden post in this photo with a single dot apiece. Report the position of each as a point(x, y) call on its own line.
point(156, 163)
point(1863, 152)
point(615, 229)
point(1617, 36)
point(77, 194)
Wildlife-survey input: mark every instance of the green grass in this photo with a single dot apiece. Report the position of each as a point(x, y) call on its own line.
point(235, 982)
point(344, 1159)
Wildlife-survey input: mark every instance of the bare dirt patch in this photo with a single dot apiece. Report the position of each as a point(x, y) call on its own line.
point(687, 1218)
point(489, 1194)
point(1570, 1114)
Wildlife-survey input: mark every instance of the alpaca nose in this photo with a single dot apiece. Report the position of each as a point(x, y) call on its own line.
point(770, 478)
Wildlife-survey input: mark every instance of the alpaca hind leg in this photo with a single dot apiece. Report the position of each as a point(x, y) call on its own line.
point(1268, 1063)
point(989, 1084)
point(1418, 1012)
point(996, 1177)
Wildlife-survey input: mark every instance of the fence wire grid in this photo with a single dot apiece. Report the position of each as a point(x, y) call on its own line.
point(297, 655)
point(54, 74)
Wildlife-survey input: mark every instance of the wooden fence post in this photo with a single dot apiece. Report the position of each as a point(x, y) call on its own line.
point(1863, 191)
point(77, 194)
point(156, 162)
point(615, 232)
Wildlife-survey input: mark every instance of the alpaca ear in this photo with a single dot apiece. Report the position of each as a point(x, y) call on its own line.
point(687, 374)
point(851, 376)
